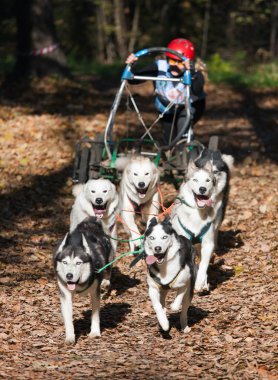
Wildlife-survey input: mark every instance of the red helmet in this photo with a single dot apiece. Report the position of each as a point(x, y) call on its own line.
point(182, 46)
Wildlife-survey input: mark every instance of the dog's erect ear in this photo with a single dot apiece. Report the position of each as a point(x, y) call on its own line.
point(63, 244)
point(208, 166)
point(77, 189)
point(229, 160)
point(203, 157)
point(191, 167)
point(153, 222)
point(167, 221)
point(85, 245)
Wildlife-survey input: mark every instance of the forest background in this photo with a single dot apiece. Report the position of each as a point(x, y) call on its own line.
point(237, 39)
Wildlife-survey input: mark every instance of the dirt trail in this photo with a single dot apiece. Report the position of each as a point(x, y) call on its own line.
point(234, 328)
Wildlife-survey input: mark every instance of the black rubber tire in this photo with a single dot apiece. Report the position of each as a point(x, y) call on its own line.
point(83, 167)
point(213, 143)
point(76, 164)
point(96, 156)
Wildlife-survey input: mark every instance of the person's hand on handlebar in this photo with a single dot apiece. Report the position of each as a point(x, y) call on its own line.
point(131, 59)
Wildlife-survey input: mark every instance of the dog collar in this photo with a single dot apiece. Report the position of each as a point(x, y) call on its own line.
point(195, 238)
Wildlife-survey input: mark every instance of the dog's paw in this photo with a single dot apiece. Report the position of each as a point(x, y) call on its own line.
point(175, 306)
point(165, 325)
point(186, 330)
point(201, 284)
point(105, 284)
point(70, 339)
point(94, 334)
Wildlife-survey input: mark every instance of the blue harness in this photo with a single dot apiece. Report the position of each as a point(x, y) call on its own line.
point(195, 238)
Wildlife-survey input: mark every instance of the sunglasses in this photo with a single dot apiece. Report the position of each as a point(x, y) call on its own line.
point(176, 63)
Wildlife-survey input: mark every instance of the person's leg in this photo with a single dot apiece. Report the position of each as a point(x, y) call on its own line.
point(166, 123)
point(198, 108)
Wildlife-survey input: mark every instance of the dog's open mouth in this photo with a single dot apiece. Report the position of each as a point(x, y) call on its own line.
point(71, 285)
point(202, 200)
point(156, 258)
point(99, 210)
point(142, 192)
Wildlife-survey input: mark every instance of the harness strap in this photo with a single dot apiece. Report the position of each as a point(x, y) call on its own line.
point(141, 256)
point(183, 202)
point(112, 227)
point(195, 238)
point(164, 286)
point(137, 208)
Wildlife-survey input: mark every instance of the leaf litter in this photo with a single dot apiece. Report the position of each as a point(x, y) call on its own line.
point(234, 328)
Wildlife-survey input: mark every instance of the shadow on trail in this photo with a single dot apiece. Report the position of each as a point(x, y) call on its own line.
point(41, 203)
point(195, 315)
point(121, 282)
point(110, 316)
point(218, 275)
point(263, 120)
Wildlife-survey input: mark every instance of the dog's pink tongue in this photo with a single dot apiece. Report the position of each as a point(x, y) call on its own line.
point(99, 213)
point(71, 286)
point(151, 260)
point(209, 202)
point(204, 202)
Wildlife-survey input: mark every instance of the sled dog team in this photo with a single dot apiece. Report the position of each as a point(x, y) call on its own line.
point(91, 243)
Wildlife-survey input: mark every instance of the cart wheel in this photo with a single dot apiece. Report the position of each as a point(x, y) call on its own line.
point(96, 156)
point(83, 168)
point(213, 143)
point(76, 164)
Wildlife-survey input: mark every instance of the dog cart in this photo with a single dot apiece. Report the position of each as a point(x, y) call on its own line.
point(104, 156)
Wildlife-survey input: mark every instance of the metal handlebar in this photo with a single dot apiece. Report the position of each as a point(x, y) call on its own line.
point(128, 75)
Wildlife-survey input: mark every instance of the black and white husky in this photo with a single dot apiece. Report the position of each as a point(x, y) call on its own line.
point(222, 166)
point(199, 209)
point(170, 260)
point(76, 261)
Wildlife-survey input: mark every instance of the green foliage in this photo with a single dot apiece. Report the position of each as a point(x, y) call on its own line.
point(237, 72)
point(95, 68)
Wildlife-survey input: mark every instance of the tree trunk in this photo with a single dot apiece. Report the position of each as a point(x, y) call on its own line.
point(205, 31)
point(100, 35)
point(38, 51)
point(273, 31)
point(134, 28)
point(120, 28)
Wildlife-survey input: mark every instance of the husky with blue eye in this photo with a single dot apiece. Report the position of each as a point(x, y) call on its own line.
point(170, 261)
point(76, 263)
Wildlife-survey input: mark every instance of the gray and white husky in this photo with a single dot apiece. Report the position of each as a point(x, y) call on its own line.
point(170, 261)
point(76, 261)
point(199, 209)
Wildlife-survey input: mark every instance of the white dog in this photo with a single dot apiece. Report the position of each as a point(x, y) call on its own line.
point(198, 211)
point(97, 197)
point(170, 259)
point(138, 194)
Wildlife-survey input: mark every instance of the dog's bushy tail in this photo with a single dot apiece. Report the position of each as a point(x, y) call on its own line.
point(229, 160)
